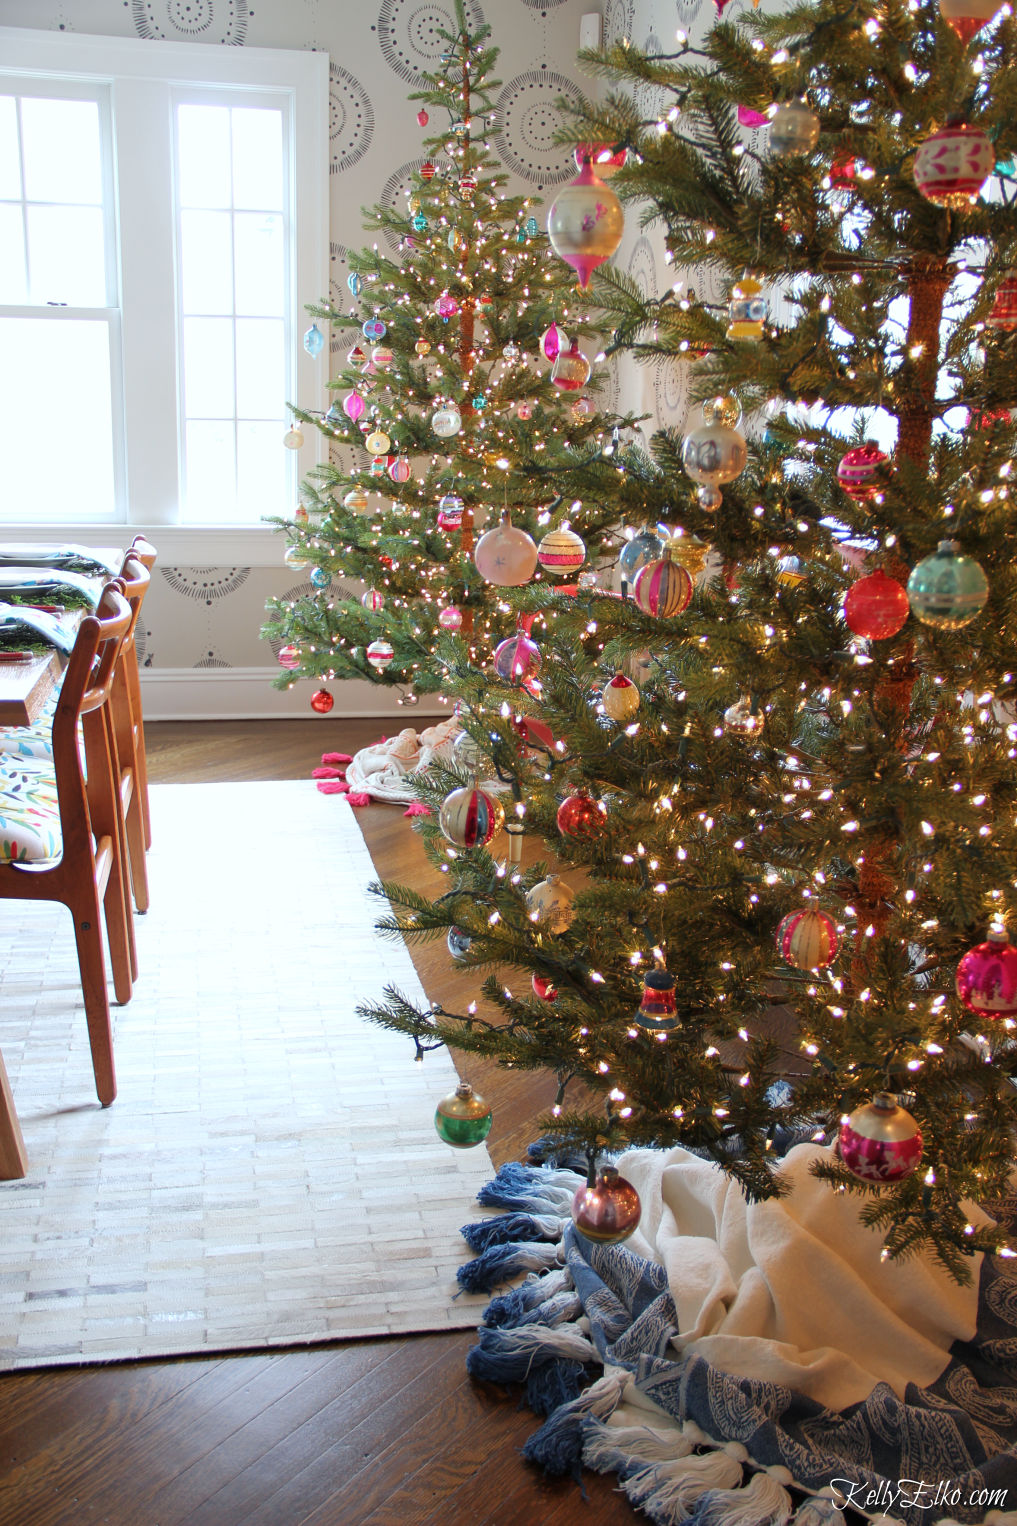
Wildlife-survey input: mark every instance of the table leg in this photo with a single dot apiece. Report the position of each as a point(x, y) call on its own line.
point(13, 1160)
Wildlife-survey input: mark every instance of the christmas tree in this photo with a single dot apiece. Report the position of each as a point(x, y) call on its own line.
point(462, 397)
point(790, 846)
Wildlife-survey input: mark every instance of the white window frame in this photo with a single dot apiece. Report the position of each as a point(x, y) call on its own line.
point(144, 78)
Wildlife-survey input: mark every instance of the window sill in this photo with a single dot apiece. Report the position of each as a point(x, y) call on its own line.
point(177, 545)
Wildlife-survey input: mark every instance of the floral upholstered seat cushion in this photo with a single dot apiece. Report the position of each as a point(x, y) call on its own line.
point(29, 811)
point(35, 741)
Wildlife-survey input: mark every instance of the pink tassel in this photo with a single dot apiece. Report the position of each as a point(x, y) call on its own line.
point(332, 786)
point(358, 799)
point(327, 773)
point(418, 808)
point(336, 757)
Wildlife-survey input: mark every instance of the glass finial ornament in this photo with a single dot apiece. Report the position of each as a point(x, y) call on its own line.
point(314, 341)
point(319, 577)
point(585, 223)
point(658, 1009)
point(446, 421)
point(517, 658)
point(400, 469)
point(743, 718)
point(663, 588)
point(382, 357)
point(373, 600)
point(377, 442)
point(880, 1142)
point(549, 905)
point(1004, 308)
point(987, 976)
point(553, 341)
point(794, 129)
point(544, 988)
point(295, 558)
point(966, 17)
point(321, 701)
point(422, 118)
point(862, 471)
point(582, 816)
point(876, 607)
point(716, 452)
point(353, 406)
point(608, 1209)
point(602, 156)
point(621, 698)
point(561, 551)
point(463, 1118)
point(953, 164)
point(571, 369)
point(450, 512)
point(356, 358)
point(807, 939)
point(293, 438)
point(505, 555)
point(470, 817)
point(380, 654)
point(356, 499)
point(288, 657)
point(645, 547)
point(947, 590)
point(355, 283)
point(450, 618)
point(458, 942)
point(373, 329)
point(746, 311)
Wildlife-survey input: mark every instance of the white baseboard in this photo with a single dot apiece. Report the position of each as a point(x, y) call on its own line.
point(246, 694)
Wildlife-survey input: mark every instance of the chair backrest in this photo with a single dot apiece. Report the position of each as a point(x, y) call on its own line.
point(133, 582)
point(84, 691)
point(144, 551)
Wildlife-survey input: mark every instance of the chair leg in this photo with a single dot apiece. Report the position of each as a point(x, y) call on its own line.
point(135, 826)
point(141, 773)
point(88, 936)
point(123, 956)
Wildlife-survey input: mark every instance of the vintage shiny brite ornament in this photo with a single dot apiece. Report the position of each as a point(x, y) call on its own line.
point(355, 283)
point(549, 904)
point(356, 359)
point(468, 754)
point(321, 701)
point(505, 555)
point(716, 452)
point(353, 406)
point(458, 942)
point(966, 17)
point(609, 1211)
point(953, 164)
point(377, 442)
point(638, 552)
point(314, 341)
point(602, 156)
point(947, 590)
point(585, 223)
point(876, 607)
point(288, 657)
point(450, 512)
point(794, 129)
point(446, 306)
point(861, 472)
point(446, 421)
point(422, 118)
point(571, 369)
point(382, 357)
point(658, 1009)
point(689, 552)
point(582, 816)
point(379, 654)
point(293, 438)
point(296, 558)
point(553, 341)
point(561, 551)
point(663, 588)
point(373, 328)
point(516, 658)
point(987, 976)
point(423, 346)
point(621, 698)
point(746, 311)
point(463, 1118)
point(1004, 308)
point(400, 470)
point(741, 719)
point(450, 618)
point(373, 600)
point(470, 817)
point(880, 1142)
point(807, 939)
point(427, 170)
point(356, 499)
point(545, 989)
point(320, 578)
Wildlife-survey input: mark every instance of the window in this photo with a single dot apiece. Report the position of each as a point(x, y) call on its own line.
point(163, 220)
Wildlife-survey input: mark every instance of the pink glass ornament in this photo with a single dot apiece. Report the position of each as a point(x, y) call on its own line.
point(353, 406)
point(953, 164)
point(288, 657)
point(450, 618)
point(609, 1210)
point(555, 339)
point(860, 472)
point(517, 658)
point(400, 470)
point(422, 118)
point(987, 976)
point(446, 306)
point(585, 223)
point(880, 1142)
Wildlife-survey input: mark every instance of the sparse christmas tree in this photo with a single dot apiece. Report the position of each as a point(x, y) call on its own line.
point(467, 393)
point(792, 847)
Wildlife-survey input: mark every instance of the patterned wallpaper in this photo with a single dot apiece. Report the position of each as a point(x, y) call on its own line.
point(203, 618)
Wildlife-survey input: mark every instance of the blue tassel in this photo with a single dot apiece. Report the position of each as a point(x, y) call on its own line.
point(534, 1290)
point(500, 1263)
point(511, 1356)
point(558, 1446)
point(553, 1384)
point(531, 1190)
point(510, 1226)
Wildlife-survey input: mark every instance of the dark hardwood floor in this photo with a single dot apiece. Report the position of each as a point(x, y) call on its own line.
point(386, 1432)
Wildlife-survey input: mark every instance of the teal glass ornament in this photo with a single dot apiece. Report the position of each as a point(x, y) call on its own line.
point(314, 341)
point(644, 548)
point(532, 227)
point(521, 236)
point(419, 221)
point(463, 1118)
point(947, 590)
point(335, 414)
point(320, 578)
point(355, 284)
point(480, 402)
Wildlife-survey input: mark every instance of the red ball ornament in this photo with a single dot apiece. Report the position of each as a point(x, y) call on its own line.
point(322, 701)
point(876, 606)
point(609, 1210)
point(860, 472)
point(987, 976)
point(545, 989)
point(953, 164)
point(966, 17)
point(880, 1142)
point(807, 939)
point(602, 156)
point(582, 816)
point(427, 170)
point(1004, 308)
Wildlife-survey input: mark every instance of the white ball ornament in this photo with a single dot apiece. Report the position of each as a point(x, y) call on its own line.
point(621, 698)
point(505, 556)
point(293, 438)
point(446, 421)
point(549, 905)
point(561, 550)
point(379, 654)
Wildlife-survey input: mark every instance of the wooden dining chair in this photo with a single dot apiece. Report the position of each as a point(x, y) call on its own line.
point(128, 732)
point(146, 554)
point(59, 831)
